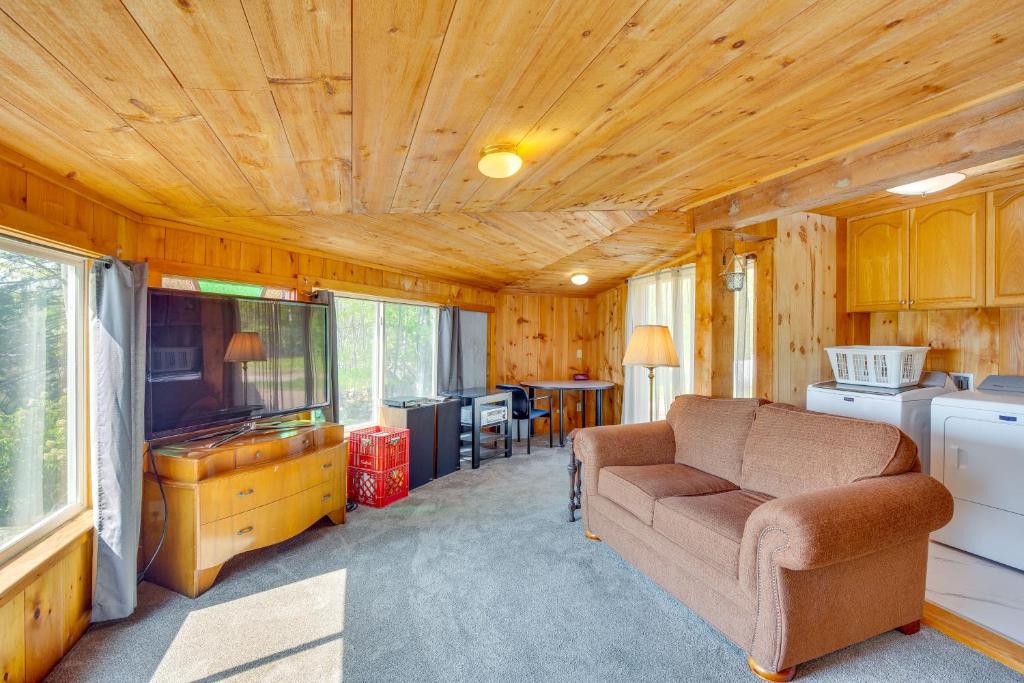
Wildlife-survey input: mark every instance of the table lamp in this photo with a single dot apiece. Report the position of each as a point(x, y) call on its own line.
point(651, 346)
point(244, 348)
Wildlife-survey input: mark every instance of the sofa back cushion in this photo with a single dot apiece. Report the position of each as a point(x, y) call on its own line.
point(710, 432)
point(790, 451)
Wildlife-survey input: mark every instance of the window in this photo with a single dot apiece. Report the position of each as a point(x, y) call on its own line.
point(663, 298)
point(385, 350)
point(743, 335)
point(222, 287)
point(42, 360)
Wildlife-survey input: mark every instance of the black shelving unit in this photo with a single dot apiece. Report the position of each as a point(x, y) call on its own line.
point(483, 441)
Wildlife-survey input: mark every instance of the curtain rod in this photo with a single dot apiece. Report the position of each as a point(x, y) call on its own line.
point(747, 256)
point(107, 260)
point(659, 272)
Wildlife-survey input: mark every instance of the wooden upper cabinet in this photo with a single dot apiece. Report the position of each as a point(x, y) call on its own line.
point(947, 254)
point(877, 263)
point(1005, 241)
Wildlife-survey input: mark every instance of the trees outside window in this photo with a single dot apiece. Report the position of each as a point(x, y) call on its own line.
point(41, 359)
point(385, 350)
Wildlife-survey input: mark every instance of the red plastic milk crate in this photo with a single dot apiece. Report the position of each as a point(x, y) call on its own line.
point(378, 489)
point(378, 448)
point(378, 471)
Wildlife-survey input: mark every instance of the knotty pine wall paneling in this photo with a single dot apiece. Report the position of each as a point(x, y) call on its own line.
point(806, 260)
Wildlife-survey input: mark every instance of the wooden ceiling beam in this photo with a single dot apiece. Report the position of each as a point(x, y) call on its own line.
point(976, 135)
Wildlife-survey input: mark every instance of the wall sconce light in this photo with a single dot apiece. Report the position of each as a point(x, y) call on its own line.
point(734, 271)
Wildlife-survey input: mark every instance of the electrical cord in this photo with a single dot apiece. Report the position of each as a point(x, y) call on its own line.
point(163, 531)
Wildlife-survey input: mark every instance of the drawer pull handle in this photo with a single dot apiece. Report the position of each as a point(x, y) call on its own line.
point(326, 497)
point(327, 465)
point(244, 531)
point(258, 455)
point(247, 492)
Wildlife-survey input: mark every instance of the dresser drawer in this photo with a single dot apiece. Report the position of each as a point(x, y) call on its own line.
point(265, 525)
point(253, 487)
point(259, 454)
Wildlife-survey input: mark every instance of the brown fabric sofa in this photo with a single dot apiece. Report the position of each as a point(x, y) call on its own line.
point(793, 533)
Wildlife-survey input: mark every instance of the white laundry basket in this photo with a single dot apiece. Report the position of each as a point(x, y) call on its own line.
point(877, 366)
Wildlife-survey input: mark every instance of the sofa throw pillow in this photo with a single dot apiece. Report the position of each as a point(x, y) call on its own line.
point(710, 433)
point(790, 451)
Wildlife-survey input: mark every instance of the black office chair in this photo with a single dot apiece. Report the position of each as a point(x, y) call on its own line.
point(523, 409)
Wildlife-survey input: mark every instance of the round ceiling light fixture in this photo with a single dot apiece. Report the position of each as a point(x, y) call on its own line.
point(929, 185)
point(499, 161)
point(579, 279)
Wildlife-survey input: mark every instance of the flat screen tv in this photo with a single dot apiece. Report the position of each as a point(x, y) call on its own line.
point(215, 360)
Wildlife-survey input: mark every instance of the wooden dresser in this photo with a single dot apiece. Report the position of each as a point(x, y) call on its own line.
point(252, 492)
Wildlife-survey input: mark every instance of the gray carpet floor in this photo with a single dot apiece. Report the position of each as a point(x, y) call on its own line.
point(474, 577)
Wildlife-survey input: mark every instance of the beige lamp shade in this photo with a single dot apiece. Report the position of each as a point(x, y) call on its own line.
point(651, 346)
point(245, 347)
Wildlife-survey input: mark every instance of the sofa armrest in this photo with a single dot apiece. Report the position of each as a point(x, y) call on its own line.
point(648, 443)
point(842, 523)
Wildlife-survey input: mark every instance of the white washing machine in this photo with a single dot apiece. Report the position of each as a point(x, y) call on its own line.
point(908, 408)
point(978, 453)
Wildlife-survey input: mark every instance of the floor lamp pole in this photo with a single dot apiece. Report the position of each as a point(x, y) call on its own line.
point(245, 382)
point(650, 382)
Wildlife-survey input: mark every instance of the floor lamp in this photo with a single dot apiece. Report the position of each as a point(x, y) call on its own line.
point(244, 348)
point(651, 347)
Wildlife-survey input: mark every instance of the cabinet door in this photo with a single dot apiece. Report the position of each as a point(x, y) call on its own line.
point(877, 263)
point(947, 254)
point(1005, 241)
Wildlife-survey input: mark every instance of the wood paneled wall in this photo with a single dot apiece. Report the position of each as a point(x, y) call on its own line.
point(539, 336)
point(982, 341)
point(45, 603)
point(806, 258)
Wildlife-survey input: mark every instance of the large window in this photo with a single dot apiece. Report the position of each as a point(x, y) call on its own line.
point(385, 350)
point(663, 298)
point(42, 305)
point(743, 339)
point(195, 284)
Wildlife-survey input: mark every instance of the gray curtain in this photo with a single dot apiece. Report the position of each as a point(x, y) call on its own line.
point(473, 335)
point(117, 345)
point(449, 350)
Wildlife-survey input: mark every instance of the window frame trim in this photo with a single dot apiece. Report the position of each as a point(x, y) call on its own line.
point(79, 337)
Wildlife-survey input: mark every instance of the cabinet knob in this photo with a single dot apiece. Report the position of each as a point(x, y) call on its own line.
point(911, 302)
point(247, 492)
point(327, 465)
point(244, 531)
point(903, 301)
point(258, 455)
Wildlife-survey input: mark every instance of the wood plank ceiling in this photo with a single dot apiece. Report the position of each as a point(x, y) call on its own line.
point(354, 126)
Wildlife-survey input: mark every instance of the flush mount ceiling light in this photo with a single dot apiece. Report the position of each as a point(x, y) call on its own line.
point(579, 279)
point(929, 185)
point(499, 161)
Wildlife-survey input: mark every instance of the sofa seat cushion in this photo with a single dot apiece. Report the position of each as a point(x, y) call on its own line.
point(711, 526)
point(637, 487)
point(710, 432)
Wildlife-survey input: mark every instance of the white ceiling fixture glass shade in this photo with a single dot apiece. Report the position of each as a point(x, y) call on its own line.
point(579, 279)
point(929, 185)
point(499, 161)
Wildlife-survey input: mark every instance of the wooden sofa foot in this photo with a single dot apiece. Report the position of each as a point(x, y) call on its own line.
point(911, 628)
point(784, 675)
point(589, 536)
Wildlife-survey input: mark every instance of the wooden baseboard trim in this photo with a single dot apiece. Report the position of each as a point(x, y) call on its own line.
point(975, 636)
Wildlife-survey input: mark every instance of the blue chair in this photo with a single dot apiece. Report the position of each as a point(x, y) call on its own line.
point(523, 409)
